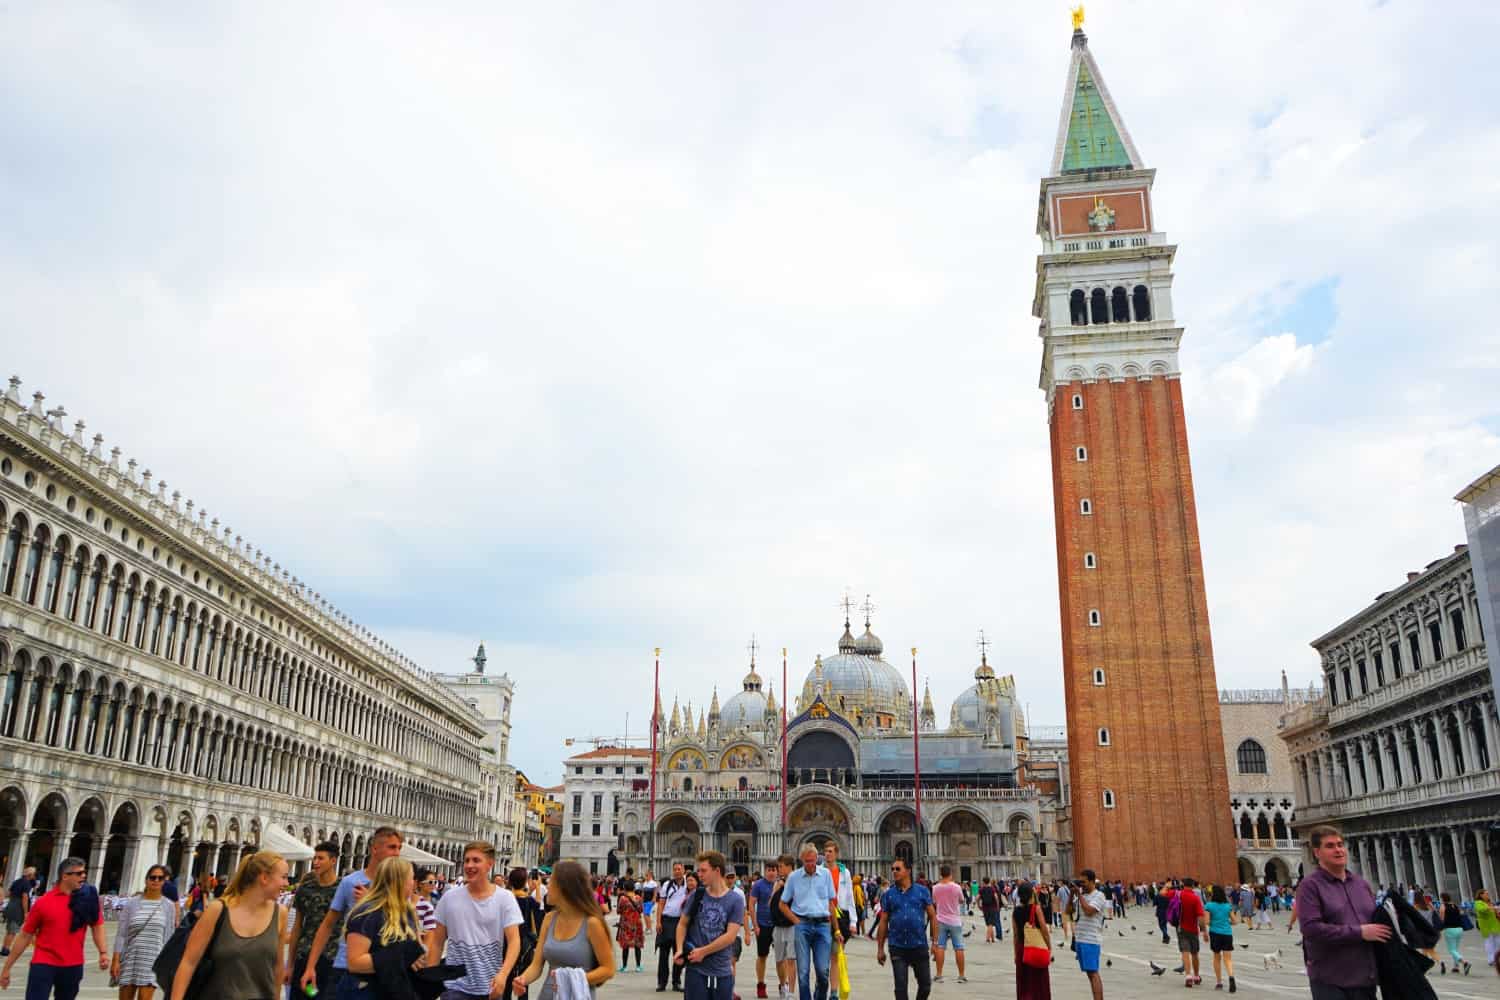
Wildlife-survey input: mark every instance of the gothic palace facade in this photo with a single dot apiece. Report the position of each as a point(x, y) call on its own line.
point(169, 694)
point(1400, 754)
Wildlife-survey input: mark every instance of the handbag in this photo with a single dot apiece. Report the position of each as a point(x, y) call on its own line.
point(165, 966)
point(1034, 950)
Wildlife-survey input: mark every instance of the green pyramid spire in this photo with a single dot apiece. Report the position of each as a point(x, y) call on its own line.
point(1093, 142)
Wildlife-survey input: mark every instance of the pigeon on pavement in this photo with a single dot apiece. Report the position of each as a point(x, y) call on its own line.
point(1156, 970)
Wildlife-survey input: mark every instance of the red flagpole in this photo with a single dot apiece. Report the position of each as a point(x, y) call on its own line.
point(784, 697)
point(655, 723)
point(916, 743)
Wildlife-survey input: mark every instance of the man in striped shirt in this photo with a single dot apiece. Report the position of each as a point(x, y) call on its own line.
point(426, 908)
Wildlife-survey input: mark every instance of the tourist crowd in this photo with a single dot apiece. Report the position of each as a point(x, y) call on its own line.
point(389, 931)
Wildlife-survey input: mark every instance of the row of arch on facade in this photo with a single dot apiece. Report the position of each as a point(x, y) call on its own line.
point(957, 835)
point(63, 706)
point(1109, 306)
point(101, 593)
point(118, 843)
point(1276, 871)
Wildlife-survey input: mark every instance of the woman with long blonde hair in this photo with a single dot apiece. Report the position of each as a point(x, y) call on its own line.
point(385, 918)
point(241, 933)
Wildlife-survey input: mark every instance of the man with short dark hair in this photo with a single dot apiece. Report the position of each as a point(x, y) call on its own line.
point(1088, 931)
point(17, 905)
point(310, 902)
point(385, 843)
point(1334, 907)
point(908, 920)
point(758, 919)
point(708, 929)
point(57, 967)
point(948, 900)
point(672, 895)
point(989, 908)
point(783, 933)
point(1190, 927)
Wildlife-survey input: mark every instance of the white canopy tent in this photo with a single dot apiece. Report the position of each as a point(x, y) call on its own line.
point(418, 856)
point(276, 839)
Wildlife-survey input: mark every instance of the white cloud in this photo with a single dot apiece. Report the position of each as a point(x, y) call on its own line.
point(589, 329)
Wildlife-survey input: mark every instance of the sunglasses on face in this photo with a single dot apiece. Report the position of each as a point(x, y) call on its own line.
point(156, 878)
point(77, 872)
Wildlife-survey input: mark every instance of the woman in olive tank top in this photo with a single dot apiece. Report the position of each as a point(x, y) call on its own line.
point(245, 953)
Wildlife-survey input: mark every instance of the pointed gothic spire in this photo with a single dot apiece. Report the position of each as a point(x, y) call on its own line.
point(771, 700)
point(929, 714)
point(713, 705)
point(676, 724)
point(702, 725)
point(1091, 133)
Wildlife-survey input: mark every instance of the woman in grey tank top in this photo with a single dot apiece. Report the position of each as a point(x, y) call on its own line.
point(246, 959)
point(574, 935)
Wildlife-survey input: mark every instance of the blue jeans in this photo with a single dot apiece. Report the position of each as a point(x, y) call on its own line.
point(58, 981)
point(814, 946)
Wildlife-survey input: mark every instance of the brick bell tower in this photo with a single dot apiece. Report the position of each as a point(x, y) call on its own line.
point(1146, 751)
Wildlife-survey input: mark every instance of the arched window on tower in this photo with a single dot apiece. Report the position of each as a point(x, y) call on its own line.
point(1109, 799)
point(1251, 757)
point(1099, 306)
point(1098, 677)
point(1103, 737)
point(1141, 300)
point(1078, 307)
point(1119, 305)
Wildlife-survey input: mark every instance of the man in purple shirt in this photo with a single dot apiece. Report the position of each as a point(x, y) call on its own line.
point(1334, 907)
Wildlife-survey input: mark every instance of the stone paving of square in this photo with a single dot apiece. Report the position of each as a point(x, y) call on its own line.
point(991, 971)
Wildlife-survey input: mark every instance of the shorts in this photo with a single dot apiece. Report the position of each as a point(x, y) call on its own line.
point(13, 924)
point(1187, 941)
point(785, 941)
point(992, 918)
point(951, 932)
point(646, 906)
point(763, 937)
point(1088, 955)
point(1220, 942)
point(739, 947)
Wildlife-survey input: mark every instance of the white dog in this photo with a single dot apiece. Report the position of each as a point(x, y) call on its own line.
point(1272, 959)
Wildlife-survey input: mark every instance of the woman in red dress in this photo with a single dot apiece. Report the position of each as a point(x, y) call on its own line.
point(1031, 983)
point(629, 933)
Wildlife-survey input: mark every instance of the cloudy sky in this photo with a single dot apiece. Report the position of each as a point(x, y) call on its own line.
point(584, 329)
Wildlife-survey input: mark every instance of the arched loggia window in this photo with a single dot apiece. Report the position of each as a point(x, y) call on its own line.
point(1141, 300)
point(1099, 306)
point(1119, 305)
point(1078, 307)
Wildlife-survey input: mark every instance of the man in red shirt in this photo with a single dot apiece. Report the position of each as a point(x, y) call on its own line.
point(57, 968)
point(1191, 923)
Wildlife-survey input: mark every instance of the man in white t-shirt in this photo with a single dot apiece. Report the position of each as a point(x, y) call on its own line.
point(481, 925)
point(1088, 932)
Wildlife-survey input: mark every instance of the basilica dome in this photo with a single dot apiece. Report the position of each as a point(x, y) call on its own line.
point(988, 706)
point(748, 707)
point(859, 684)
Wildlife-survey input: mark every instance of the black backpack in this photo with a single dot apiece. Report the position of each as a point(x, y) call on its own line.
point(170, 957)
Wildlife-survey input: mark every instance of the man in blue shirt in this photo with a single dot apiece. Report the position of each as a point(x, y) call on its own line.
point(386, 843)
point(909, 920)
point(760, 924)
point(811, 904)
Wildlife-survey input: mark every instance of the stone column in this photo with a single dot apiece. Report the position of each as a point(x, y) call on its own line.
point(1466, 738)
point(1489, 864)
point(1397, 860)
point(97, 844)
point(137, 860)
point(1394, 777)
point(1445, 751)
point(1460, 856)
point(1491, 730)
point(1424, 752)
point(18, 856)
point(1435, 843)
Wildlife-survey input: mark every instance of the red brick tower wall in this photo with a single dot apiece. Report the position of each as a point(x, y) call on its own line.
point(1165, 762)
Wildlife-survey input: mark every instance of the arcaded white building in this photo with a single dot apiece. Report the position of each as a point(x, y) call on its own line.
point(169, 693)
